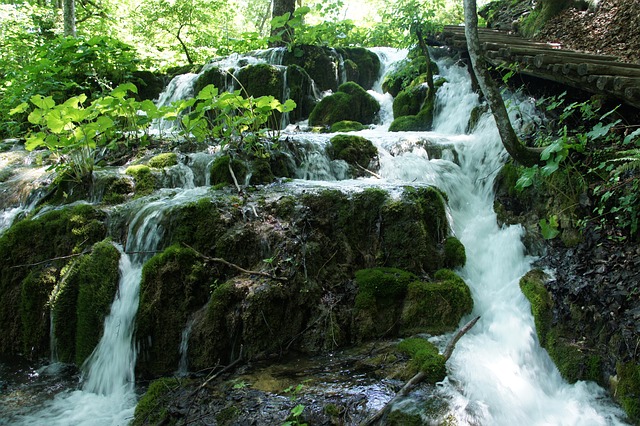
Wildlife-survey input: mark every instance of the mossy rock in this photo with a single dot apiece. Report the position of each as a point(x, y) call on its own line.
point(410, 71)
point(357, 151)
point(219, 78)
point(220, 174)
point(422, 121)
point(149, 84)
point(379, 300)
point(436, 307)
point(25, 291)
point(174, 285)
point(144, 179)
point(320, 63)
point(261, 172)
point(199, 224)
point(117, 190)
point(261, 80)
point(628, 389)
point(455, 255)
point(151, 408)
point(347, 126)
point(300, 87)
point(413, 228)
point(573, 361)
point(367, 66)
point(425, 358)
point(351, 102)
point(166, 159)
point(409, 101)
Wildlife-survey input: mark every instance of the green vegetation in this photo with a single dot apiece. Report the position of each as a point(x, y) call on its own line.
point(350, 102)
point(357, 151)
point(150, 409)
point(145, 181)
point(161, 161)
point(425, 358)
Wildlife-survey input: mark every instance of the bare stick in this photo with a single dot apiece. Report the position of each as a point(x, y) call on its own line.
point(233, 176)
point(26, 265)
point(419, 377)
point(234, 266)
point(374, 174)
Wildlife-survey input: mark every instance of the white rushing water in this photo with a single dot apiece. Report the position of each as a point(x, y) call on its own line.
point(498, 374)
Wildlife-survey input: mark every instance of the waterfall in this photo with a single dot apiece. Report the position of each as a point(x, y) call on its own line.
point(183, 366)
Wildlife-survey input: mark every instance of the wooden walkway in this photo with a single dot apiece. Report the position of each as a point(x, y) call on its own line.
point(600, 74)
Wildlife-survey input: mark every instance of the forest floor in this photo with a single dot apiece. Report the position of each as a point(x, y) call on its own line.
point(613, 28)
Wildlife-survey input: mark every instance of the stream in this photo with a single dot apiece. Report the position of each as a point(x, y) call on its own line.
point(498, 374)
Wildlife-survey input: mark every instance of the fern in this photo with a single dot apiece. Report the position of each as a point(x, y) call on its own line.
point(630, 159)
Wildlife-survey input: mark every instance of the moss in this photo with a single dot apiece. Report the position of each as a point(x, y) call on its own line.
point(117, 190)
point(96, 278)
point(355, 150)
point(436, 307)
point(166, 159)
point(301, 91)
point(199, 224)
point(347, 126)
point(419, 218)
point(174, 284)
point(215, 76)
point(261, 80)
point(227, 415)
point(532, 286)
point(149, 84)
point(150, 409)
point(350, 102)
point(24, 305)
point(425, 358)
point(261, 172)
point(454, 253)
point(409, 101)
point(409, 123)
point(628, 389)
point(367, 66)
point(319, 62)
point(398, 417)
point(145, 181)
point(220, 173)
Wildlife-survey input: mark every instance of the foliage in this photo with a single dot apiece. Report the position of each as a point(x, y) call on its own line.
point(237, 122)
point(73, 132)
point(588, 148)
point(425, 356)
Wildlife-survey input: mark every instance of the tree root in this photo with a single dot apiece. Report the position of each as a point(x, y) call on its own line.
point(419, 377)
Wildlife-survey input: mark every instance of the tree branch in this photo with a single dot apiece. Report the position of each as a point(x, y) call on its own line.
point(234, 266)
point(419, 376)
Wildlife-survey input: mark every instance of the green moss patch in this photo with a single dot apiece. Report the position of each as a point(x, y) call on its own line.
point(357, 151)
point(436, 307)
point(261, 80)
point(151, 409)
point(145, 181)
point(628, 389)
point(163, 160)
point(351, 102)
point(454, 253)
point(425, 358)
point(220, 173)
point(347, 126)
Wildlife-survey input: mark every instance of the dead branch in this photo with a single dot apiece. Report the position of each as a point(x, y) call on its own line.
point(420, 376)
point(374, 174)
point(234, 266)
point(26, 265)
point(213, 376)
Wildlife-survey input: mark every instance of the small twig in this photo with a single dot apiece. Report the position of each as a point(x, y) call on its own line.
point(374, 174)
point(233, 176)
point(234, 266)
point(50, 260)
point(419, 377)
point(213, 376)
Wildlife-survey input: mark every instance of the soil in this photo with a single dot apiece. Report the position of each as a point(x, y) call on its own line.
point(610, 28)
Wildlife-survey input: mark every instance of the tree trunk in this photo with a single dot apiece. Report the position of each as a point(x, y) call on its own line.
point(425, 52)
point(280, 7)
point(69, 15)
point(185, 49)
point(520, 153)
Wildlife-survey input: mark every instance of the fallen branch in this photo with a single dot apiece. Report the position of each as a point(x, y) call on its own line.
point(213, 376)
point(374, 174)
point(26, 265)
point(420, 376)
point(234, 266)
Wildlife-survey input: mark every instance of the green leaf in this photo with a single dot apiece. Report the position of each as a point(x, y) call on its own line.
point(527, 178)
point(42, 102)
point(630, 137)
point(34, 141)
point(297, 410)
point(122, 90)
point(600, 130)
point(19, 109)
point(549, 229)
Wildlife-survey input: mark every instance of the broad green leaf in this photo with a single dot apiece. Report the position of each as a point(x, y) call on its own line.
point(120, 92)
point(36, 116)
point(208, 92)
point(34, 141)
point(549, 229)
point(57, 123)
point(19, 109)
point(42, 102)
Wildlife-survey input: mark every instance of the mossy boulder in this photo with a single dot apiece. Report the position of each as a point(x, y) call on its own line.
point(150, 409)
point(149, 84)
point(219, 78)
point(422, 121)
point(357, 151)
point(347, 126)
point(261, 80)
point(378, 304)
point(144, 180)
point(320, 63)
point(83, 302)
point(350, 102)
point(409, 101)
point(166, 159)
point(628, 389)
point(425, 358)
point(436, 307)
point(175, 284)
point(365, 66)
point(220, 174)
point(44, 244)
point(410, 71)
point(574, 361)
point(117, 189)
point(300, 87)
point(455, 255)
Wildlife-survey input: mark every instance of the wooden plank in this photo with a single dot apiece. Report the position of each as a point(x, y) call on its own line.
point(614, 68)
point(621, 83)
